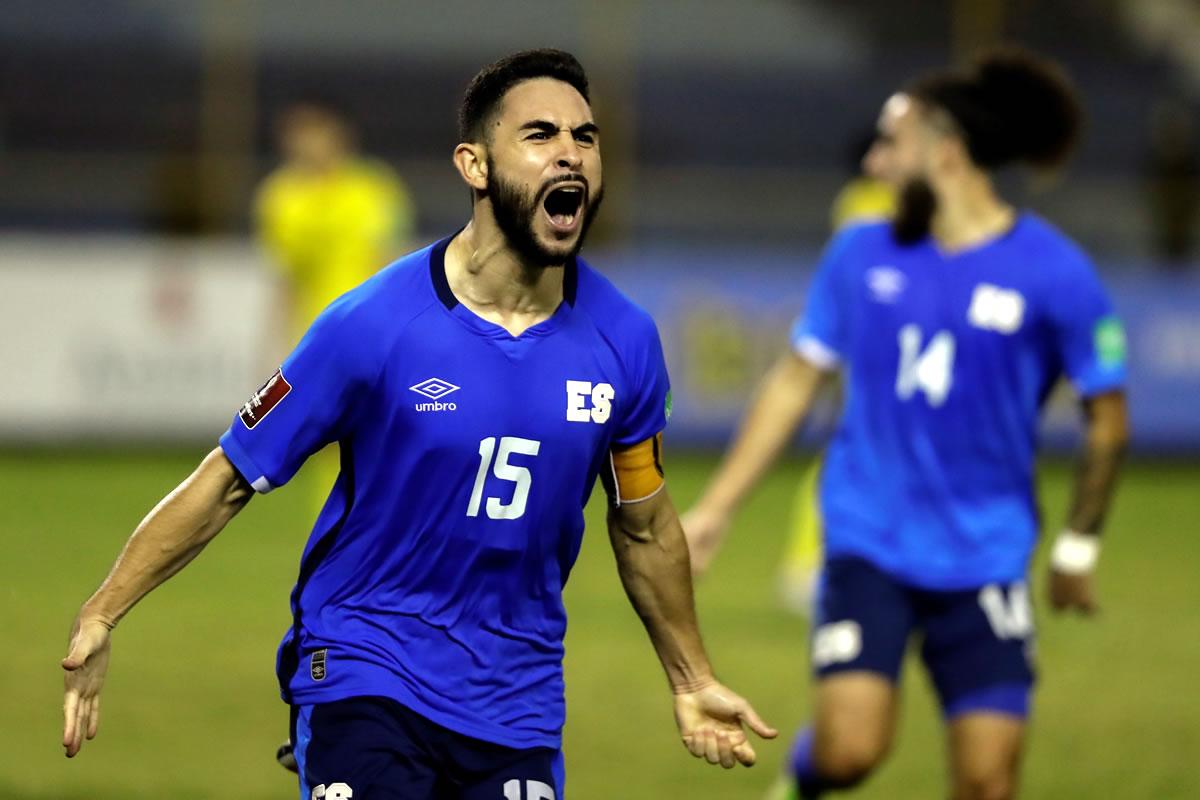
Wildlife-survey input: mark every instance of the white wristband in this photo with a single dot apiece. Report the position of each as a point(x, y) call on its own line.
point(1075, 553)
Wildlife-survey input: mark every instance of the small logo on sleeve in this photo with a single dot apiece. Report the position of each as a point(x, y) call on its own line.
point(582, 393)
point(316, 664)
point(266, 398)
point(1110, 345)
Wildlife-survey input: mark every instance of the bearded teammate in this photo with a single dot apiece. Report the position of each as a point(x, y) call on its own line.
point(950, 324)
point(477, 388)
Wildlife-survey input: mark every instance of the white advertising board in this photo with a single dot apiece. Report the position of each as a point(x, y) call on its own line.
point(115, 339)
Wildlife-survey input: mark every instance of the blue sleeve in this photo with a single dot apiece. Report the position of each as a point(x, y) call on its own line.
point(1088, 337)
point(312, 400)
point(821, 333)
point(645, 414)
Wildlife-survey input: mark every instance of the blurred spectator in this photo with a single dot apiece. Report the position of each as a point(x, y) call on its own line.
point(1173, 173)
point(328, 217)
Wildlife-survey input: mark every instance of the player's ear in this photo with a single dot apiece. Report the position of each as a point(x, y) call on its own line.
point(950, 154)
point(471, 161)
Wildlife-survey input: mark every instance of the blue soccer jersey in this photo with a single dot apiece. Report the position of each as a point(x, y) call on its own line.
point(947, 361)
point(434, 573)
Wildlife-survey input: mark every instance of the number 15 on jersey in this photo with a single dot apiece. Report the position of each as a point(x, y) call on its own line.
point(518, 475)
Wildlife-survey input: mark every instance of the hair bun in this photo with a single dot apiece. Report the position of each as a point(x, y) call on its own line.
point(1038, 114)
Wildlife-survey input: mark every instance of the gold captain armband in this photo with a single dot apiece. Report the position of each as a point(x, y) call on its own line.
point(634, 473)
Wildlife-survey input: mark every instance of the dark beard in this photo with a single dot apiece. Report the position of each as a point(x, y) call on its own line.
point(515, 212)
point(914, 212)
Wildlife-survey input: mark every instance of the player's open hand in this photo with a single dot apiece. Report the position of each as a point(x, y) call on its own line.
point(1073, 592)
point(704, 531)
point(710, 722)
point(86, 664)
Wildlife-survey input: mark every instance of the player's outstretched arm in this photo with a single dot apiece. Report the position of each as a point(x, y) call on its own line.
point(780, 404)
point(1077, 549)
point(652, 559)
point(170, 536)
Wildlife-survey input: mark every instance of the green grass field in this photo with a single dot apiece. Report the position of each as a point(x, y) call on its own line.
point(191, 708)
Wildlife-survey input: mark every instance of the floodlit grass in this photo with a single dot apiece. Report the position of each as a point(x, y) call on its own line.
point(191, 708)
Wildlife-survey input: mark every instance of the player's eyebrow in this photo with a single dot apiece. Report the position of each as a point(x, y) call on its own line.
point(546, 126)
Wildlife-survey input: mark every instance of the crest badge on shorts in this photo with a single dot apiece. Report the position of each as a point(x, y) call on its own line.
point(316, 668)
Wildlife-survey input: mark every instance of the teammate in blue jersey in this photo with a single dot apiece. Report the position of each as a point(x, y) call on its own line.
point(477, 388)
point(950, 325)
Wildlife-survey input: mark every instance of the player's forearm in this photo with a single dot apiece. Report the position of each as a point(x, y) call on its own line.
point(170, 536)
point(652, 559)
point(1103, 452)
point(779, 407)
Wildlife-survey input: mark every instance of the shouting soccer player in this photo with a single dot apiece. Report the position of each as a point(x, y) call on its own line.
point(951, 324)
point(477, 388)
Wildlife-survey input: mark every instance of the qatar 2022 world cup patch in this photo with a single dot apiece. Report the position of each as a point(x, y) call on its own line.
point(266, 398)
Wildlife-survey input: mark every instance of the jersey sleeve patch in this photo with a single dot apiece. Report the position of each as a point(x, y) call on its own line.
point(1109, 341)
point(266, 398)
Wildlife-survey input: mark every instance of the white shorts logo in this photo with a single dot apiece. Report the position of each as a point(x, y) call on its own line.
point(334, 791)
point(837, 643)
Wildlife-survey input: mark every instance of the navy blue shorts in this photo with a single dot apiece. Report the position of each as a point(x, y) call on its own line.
point(373, 748)
point(977, 644)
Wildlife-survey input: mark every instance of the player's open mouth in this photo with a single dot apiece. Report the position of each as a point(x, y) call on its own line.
point(564, 206)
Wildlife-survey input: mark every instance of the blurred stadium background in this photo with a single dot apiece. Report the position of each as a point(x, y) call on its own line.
point(136, 315)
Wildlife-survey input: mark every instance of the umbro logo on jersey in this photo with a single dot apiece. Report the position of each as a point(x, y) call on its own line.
point(435, 389)
point(886, 283)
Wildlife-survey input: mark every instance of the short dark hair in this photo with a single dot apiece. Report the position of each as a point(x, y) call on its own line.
point(323, 104)
point(1010, 106)
point(489, 86)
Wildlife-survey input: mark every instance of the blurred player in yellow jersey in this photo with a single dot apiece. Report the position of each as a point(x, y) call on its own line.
point(328, 218)
point(862, 199)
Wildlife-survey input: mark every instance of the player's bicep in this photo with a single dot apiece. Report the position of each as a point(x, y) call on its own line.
point(1107, 418)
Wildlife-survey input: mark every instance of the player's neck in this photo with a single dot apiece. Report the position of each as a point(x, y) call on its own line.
point(969, 213)
point(490, 279)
